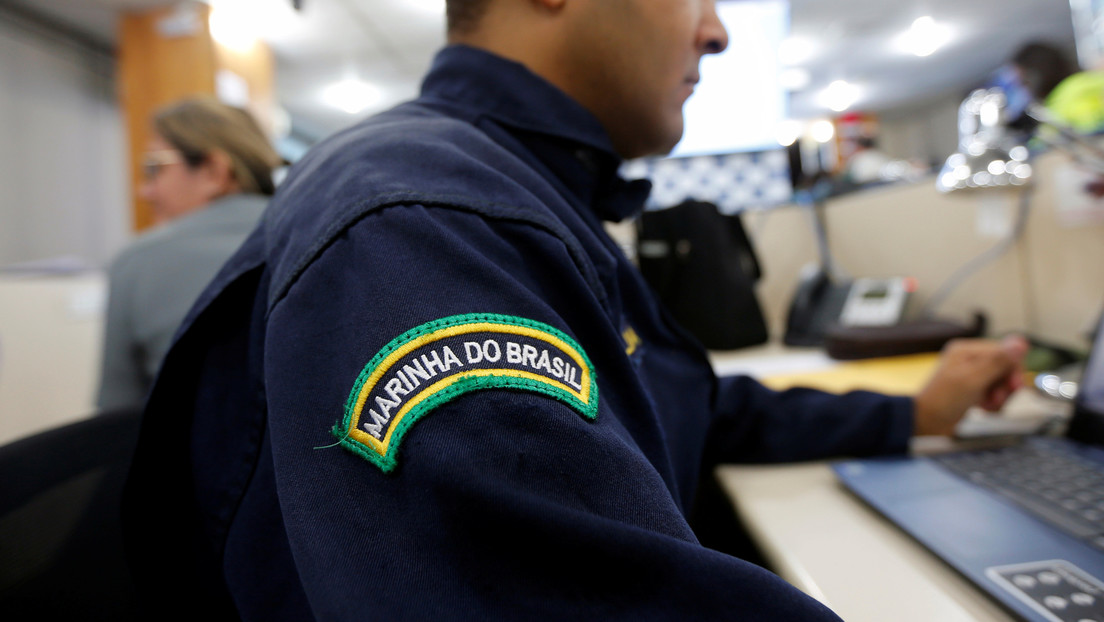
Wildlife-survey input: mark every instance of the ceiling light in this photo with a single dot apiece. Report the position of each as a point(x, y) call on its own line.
point(239, 24)
point(352, 95)
point(924, 37)
point(822, 131)
point(232, 28)
point(840, 95)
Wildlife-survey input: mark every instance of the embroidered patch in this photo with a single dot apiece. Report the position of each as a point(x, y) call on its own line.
point(439, 361)
point(632, 340)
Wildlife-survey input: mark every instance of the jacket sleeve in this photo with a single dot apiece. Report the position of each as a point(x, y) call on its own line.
point(503, 503)
point(756, 424)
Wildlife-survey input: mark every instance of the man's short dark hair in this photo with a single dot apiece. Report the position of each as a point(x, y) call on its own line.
point(463, 15)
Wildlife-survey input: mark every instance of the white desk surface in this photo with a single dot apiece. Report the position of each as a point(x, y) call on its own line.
point(844, 554)
point(829, 544)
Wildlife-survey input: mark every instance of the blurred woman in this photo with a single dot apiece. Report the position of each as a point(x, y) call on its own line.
point(208, 176)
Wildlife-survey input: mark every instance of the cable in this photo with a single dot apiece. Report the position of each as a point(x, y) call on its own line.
point(1027, 285)
point(824, 252)
point(981, 260)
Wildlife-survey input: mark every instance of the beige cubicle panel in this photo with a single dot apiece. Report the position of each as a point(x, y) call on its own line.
point(1051, 284)
point(50, 336)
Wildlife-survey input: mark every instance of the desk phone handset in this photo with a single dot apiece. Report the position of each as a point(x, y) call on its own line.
point(820, 304)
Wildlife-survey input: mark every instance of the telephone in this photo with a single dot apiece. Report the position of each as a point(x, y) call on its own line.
point(819, 304)
point(876, 302)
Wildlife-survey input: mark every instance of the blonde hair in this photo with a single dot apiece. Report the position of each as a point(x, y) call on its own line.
point(201, 125)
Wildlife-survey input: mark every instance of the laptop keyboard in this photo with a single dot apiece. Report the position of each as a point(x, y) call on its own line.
point(1062, 489)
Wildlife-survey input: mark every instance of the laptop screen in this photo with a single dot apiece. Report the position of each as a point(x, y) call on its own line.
point(1087, 424)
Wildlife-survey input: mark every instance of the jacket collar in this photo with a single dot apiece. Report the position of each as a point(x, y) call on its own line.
point(558, 130)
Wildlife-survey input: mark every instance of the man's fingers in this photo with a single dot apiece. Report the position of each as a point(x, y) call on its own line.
point(996, 397)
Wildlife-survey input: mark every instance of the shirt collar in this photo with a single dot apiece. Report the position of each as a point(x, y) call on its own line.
point(572, 142)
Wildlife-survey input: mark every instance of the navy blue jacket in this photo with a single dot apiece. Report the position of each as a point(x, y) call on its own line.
point(429, 387)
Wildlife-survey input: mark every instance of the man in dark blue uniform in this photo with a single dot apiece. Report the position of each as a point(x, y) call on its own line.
point(429, 386)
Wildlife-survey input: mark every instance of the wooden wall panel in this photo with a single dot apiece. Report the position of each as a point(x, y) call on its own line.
point(256, 67)
point(164, 55)
point(167, 54)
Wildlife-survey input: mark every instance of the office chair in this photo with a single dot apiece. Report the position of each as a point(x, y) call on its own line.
point(702, 265)
point(61, 554)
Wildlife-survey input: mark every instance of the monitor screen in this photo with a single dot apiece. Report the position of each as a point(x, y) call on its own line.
point(1090, 392)
point(1087, 424)
point(739, 103)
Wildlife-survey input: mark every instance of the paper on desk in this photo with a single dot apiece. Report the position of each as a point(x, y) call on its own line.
point(773, 365)
point(898, 375)
point(980, 424)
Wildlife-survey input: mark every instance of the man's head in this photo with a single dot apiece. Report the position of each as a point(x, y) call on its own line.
point(633, 63)
point(463, 15)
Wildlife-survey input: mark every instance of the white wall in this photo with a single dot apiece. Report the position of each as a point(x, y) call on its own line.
point(927, 133)
point(63, 179)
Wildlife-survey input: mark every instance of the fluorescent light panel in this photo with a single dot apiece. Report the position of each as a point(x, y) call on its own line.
point(924, 37)
point(351, 95)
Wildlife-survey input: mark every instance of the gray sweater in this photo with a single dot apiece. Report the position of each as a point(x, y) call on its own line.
point(153, 283)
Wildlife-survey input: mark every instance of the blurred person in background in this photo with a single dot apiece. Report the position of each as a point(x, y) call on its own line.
point(1071, 97)
point(866, 164)
point(208, 176)
point(1041, 67)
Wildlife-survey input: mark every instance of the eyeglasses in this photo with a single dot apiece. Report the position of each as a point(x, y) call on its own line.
point(153, 161)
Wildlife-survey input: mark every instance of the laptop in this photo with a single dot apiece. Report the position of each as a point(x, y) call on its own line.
point(1025, 523)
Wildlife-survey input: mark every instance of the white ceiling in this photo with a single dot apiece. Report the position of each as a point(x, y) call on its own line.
point(858, 45)
point(391, 42)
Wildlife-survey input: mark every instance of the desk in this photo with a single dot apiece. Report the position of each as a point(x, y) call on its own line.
point(781, 367)
point(833, 547)
point(837, 550)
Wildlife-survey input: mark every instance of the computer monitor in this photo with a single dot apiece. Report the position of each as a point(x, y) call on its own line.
point(1087, 423)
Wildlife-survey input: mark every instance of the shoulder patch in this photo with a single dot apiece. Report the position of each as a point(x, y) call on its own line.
point(439, 361)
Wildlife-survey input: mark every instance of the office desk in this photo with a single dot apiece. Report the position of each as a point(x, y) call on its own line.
point(829, 544)
point(834, 548)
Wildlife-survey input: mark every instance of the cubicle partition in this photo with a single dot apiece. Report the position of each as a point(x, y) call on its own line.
point(50, 334)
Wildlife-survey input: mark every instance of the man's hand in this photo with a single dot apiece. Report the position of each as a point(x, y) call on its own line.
point(971, 372)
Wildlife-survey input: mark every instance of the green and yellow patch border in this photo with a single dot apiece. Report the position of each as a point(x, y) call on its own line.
point(579, 393)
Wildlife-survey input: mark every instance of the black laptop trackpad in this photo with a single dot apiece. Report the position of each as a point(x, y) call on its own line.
point(1056, 589)
point(984, 537)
